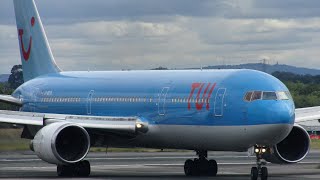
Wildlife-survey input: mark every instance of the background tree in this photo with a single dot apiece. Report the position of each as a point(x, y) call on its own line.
point(305, 89)
point(16, 77)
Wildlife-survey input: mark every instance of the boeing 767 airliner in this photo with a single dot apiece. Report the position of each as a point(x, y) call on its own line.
point(66, 113)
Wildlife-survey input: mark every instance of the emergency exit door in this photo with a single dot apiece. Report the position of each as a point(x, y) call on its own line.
point(219, 102)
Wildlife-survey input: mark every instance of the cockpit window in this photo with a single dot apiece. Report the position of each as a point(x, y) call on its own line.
point(283, 95)
point(289, 95)
point(248, 96)
point(256, 95)
point(269, 96)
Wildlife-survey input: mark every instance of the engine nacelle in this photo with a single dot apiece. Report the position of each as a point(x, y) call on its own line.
point(61, 143)
point(292, 149)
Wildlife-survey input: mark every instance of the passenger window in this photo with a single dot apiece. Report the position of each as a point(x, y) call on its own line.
point(248, 96)
point(269, 96)
point(256, 95)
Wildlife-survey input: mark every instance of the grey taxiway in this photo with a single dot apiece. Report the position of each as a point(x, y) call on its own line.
point(156, 165)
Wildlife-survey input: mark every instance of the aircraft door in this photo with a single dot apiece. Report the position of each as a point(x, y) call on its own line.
point(219, 102)
point(89, 101)
point(34, 100)
point(162, 101)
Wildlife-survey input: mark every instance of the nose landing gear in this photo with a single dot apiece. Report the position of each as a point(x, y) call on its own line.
point(201, 166)
point(259, 170)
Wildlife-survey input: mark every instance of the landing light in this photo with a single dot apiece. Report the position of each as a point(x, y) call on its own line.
point(260, 150)
point(139, 125)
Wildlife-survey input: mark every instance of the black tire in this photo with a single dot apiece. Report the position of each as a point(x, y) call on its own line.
point(85, 169)
point(196, 170)
point(203, 167)
point(81, 169)
point(264, 173)
point(212, 168)
point(64, 171)
point(189, 167)
point(254, 173)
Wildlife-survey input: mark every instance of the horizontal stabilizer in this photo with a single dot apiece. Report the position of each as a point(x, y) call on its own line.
point(10, 100)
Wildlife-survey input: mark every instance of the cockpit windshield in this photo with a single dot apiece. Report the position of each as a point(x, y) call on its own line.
point(284, 95)
point(256, 95)
point(267, 95)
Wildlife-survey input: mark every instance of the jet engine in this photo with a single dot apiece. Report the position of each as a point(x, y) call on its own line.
point(61, 143)
point(292, 149)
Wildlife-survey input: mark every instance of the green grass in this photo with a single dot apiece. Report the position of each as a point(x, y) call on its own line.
point(10, 140)
point(315, 144)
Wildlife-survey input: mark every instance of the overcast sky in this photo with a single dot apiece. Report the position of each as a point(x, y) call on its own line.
point(143, 34)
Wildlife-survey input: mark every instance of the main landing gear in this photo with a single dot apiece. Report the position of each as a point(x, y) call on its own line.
point(80, 169)
point(201, 166)
point(259, 170)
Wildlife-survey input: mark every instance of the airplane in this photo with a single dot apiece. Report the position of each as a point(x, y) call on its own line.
point(64, 114)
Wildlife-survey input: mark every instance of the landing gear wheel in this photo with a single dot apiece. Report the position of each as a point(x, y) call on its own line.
point(264, 173)
point(64, 171)
point(260, 170)
point(212, 168)
point(201, 166)
point(196, 167)
point(80, 169)
point(189, 167)
point(83, 169)
point(254, 173)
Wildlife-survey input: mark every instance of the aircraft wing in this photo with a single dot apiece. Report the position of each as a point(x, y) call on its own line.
point(308, 117)
point(111, 123)
point(307, 114)
point(10, 100)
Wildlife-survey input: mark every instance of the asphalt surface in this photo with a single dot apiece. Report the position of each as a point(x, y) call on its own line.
point(159, 165)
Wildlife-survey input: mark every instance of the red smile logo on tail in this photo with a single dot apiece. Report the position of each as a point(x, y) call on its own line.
point(26, 54)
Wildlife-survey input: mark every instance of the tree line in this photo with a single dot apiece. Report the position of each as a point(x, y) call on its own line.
point(305, 89)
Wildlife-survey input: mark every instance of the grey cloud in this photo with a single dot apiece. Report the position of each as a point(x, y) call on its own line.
point(294, 4)
point(79, 10)
point(62, 11)
point(280, 9)
point(142, 34)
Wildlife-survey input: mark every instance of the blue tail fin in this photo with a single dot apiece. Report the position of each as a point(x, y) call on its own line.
point(36, 55)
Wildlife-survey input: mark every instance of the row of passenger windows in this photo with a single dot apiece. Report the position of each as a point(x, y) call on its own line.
point(267, 95)
point(60, 100)
point(76, 100)
point(123, 99)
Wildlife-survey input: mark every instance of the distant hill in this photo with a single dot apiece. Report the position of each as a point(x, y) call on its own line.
point(269, 68)
point(4, 77)
point(256, 66)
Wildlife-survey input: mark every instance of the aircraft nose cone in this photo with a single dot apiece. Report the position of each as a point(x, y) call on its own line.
point(277, 118)
point(284, 116)
point(284, 113)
